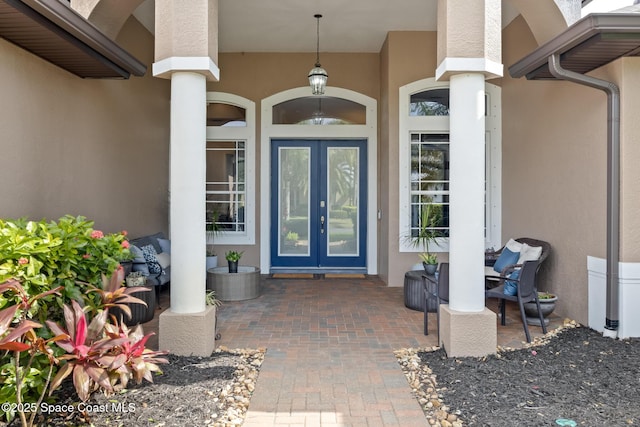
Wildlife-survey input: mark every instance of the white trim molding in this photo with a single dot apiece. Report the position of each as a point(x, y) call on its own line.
point(241, 133)
point(440, 124)
point(450, 66)
point(629, 282)
point(368, 131)
point(197, 64)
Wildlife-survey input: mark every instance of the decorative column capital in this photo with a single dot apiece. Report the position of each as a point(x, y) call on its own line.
point(201, 65)
point(452, 66)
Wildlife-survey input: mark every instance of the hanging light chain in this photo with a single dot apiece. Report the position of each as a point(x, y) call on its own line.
point(317, 16)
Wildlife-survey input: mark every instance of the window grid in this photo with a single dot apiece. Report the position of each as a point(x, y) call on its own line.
point(429, 181)
point(226, 185)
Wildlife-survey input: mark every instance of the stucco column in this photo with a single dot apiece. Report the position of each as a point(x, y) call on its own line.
point(469, 51)
point(467, 177)
point(188, 186)
point(187, 58)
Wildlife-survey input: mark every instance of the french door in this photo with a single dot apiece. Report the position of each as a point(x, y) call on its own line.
point(318, 209)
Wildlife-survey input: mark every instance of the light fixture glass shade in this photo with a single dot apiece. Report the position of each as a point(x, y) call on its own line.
point(318, 80)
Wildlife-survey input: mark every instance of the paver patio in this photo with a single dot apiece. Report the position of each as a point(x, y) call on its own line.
point(330, 343)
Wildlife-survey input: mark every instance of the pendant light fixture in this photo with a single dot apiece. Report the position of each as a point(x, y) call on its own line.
point(318, 76)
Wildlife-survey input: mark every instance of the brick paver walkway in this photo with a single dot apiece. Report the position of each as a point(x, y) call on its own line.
point(329, 359)
point(330, 343)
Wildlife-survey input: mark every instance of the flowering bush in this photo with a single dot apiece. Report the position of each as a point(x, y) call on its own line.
point(51, 266)
point(67, 253)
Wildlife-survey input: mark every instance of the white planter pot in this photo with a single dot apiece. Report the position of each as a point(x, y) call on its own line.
point(212, 262)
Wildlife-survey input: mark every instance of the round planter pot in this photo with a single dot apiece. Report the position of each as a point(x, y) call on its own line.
point(546, 306)
point(212, 262)
point(430, 268)
point(243, 285)
point(139, 312)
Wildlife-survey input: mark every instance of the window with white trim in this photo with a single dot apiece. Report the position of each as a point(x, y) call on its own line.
point(230, 178)
point(424, 162)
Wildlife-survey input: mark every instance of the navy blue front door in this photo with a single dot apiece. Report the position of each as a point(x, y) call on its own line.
point(318, 209)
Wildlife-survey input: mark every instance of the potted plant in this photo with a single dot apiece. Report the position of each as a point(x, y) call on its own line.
point(547, 305)
point(233, 257)
point(212, 229)
point(430, 217)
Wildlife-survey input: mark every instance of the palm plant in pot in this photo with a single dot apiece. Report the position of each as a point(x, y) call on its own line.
point(212, 230)
point(426, 234)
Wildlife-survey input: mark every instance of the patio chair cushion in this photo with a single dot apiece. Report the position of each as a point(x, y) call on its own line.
point(165, 245)
point(507, 257)
point(529, 253)
point(139, 262)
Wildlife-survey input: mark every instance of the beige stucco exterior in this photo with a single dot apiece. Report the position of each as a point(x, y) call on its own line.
point(97, 148)
point(469, 29)
point(100, 148)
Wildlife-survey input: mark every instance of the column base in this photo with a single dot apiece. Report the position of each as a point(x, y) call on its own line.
point(464, 334)
point(188, 334)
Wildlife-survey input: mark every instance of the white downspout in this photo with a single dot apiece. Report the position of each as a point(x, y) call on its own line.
point(613, 185)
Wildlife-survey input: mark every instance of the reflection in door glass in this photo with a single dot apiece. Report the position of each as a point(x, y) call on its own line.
point(293, 238)
point(342, 192)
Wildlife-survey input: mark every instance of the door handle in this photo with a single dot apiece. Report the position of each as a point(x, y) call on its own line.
point(321, 224)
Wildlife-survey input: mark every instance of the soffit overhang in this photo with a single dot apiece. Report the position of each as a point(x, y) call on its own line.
point(53, 31)
point(590, 43)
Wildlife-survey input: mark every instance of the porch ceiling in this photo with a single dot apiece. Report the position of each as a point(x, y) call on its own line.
point(592, 42)
point(56, 33)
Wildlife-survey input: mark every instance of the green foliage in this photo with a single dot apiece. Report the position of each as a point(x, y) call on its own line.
point(211, 299)
point(101, 355)
point(292, 236)
point(54, 263)
point(233, 256)
point(45, 255)
point(427, 233)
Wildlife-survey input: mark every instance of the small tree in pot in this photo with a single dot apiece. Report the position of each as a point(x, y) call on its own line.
point(427, 233)
point(212, 229)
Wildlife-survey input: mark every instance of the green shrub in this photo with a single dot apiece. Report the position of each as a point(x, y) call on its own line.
point(68, 255)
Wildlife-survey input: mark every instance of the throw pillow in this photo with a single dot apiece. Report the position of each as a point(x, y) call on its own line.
point(513, 245)
point(164, 259)
point(507, 257)
point(511, 287)
point(529, 253)
point(165, 245)
point(139, 262)
point(150, 253)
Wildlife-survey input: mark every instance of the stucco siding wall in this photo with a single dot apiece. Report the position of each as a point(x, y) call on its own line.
point(97, 148)
point(630, 156)
point(411, 57)
point(554, 164)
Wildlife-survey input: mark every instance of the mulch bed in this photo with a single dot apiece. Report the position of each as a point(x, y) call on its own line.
point(578, 375)
point(191, 391)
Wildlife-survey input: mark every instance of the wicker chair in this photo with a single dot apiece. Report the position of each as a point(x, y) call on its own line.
point(526, 283)
point(527, 292)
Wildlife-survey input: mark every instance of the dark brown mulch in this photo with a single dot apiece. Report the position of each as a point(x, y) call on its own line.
point(187, 393)
point(579, 375)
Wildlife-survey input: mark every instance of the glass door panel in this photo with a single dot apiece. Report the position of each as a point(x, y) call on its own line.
point(294, 194)
point(342, 192)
